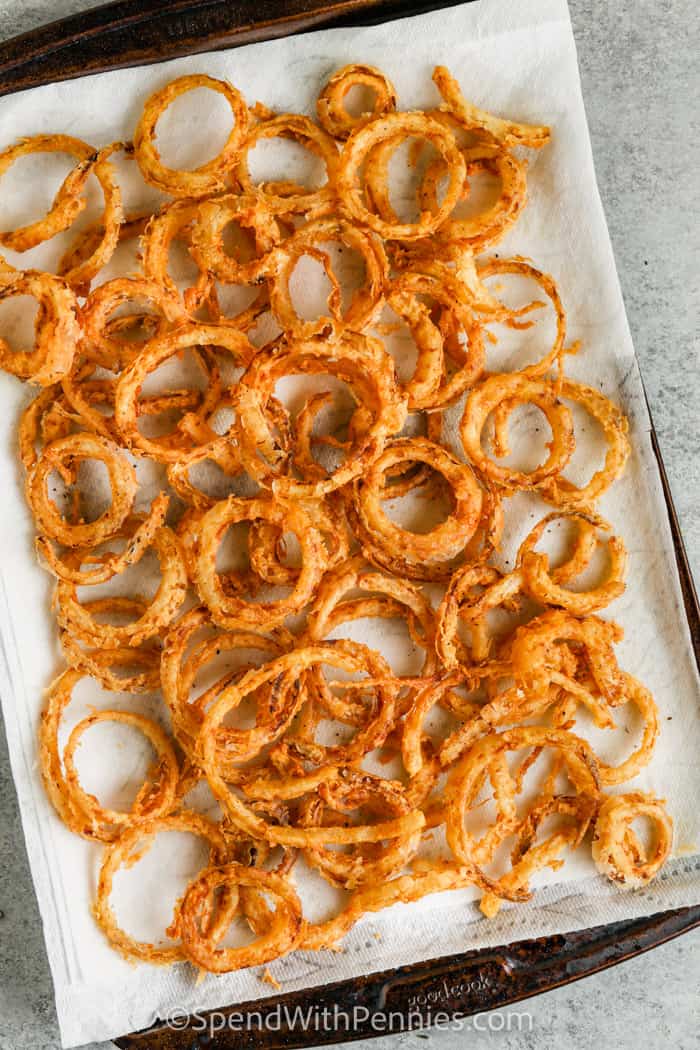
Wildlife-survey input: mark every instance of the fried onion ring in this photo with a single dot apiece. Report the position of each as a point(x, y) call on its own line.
point(617, 851)
point(207, 178)
point(330, 105)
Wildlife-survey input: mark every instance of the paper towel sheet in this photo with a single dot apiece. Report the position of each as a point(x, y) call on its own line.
point(519, 61)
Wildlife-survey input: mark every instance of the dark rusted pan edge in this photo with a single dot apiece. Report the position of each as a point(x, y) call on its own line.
point(412, 997)
point(135, 32)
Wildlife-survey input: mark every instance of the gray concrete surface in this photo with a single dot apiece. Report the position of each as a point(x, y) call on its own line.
point(640, 80)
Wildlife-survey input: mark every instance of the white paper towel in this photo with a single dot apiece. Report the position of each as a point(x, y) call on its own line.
point(519, 61)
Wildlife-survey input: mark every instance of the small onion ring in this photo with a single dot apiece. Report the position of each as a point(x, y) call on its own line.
point(563, 493)
point(330, 105)
point(153, 801)
point(428, 387)
point(69, 201)
point(534, 650)
point(466, 779)
point(540, 584)
point(524, 268)
point(616, 849)
point(194, 337)
point(206, 240)
point(99, 663)
point(139, 540)
point(57, 330)
point(207, 178)
point(367, 301)
point(76, 618)
point(361, 362)
point(294, 198)
point(79, 811)
point(493, 392)
point(281, 936)
point(420, 556)
point(106, 346)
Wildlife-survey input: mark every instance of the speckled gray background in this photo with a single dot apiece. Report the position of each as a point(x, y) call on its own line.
point(641, 85)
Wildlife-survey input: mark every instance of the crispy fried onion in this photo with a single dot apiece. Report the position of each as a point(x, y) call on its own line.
point(500, 394)
point(62, 456)
point(78, 618)
point(201, 339)
point(179, 669)
point(105, 344)
point(130, 848)
point(366, 301)
point(364, 863)
point(208, 177)
point(488, 226)
point(332, 113)
point(289, 197)
point(510, 133)
point(545, 584)
point(421, 556)
point(362, 363)
point(230, 610)
point(487, 758)
point(80, 811)
point(394, 128)
point(138, 531)
point(617, 850)
point(283, 930)
point(69, 202)
point(284, 672)
point(429, 386)
point(57, 331)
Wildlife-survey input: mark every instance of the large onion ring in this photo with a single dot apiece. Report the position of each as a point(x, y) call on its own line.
point(122, 853)
point(231, 611)
point(57, 331)
point(421, 556)
point(360, 144)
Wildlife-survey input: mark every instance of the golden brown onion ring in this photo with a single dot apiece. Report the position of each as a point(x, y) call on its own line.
point(391, 126)
point(616, 849)
point(281, 936)
point(57, 330)
point(511, 389)
point(330, 106)
point(232, 611)
point(62, 456)
point(131, 845)
point(207, 178)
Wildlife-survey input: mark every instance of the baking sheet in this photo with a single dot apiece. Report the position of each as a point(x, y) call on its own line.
point(521, 64)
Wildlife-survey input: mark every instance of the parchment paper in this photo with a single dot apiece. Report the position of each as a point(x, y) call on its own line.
point(517, 60)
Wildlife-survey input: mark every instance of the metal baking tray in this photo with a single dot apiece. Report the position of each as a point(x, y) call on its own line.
point(135, 32)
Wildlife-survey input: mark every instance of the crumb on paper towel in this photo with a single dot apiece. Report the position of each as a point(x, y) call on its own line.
point(269, 979)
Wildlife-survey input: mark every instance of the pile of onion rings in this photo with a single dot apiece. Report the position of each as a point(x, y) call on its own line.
point(515, 660)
